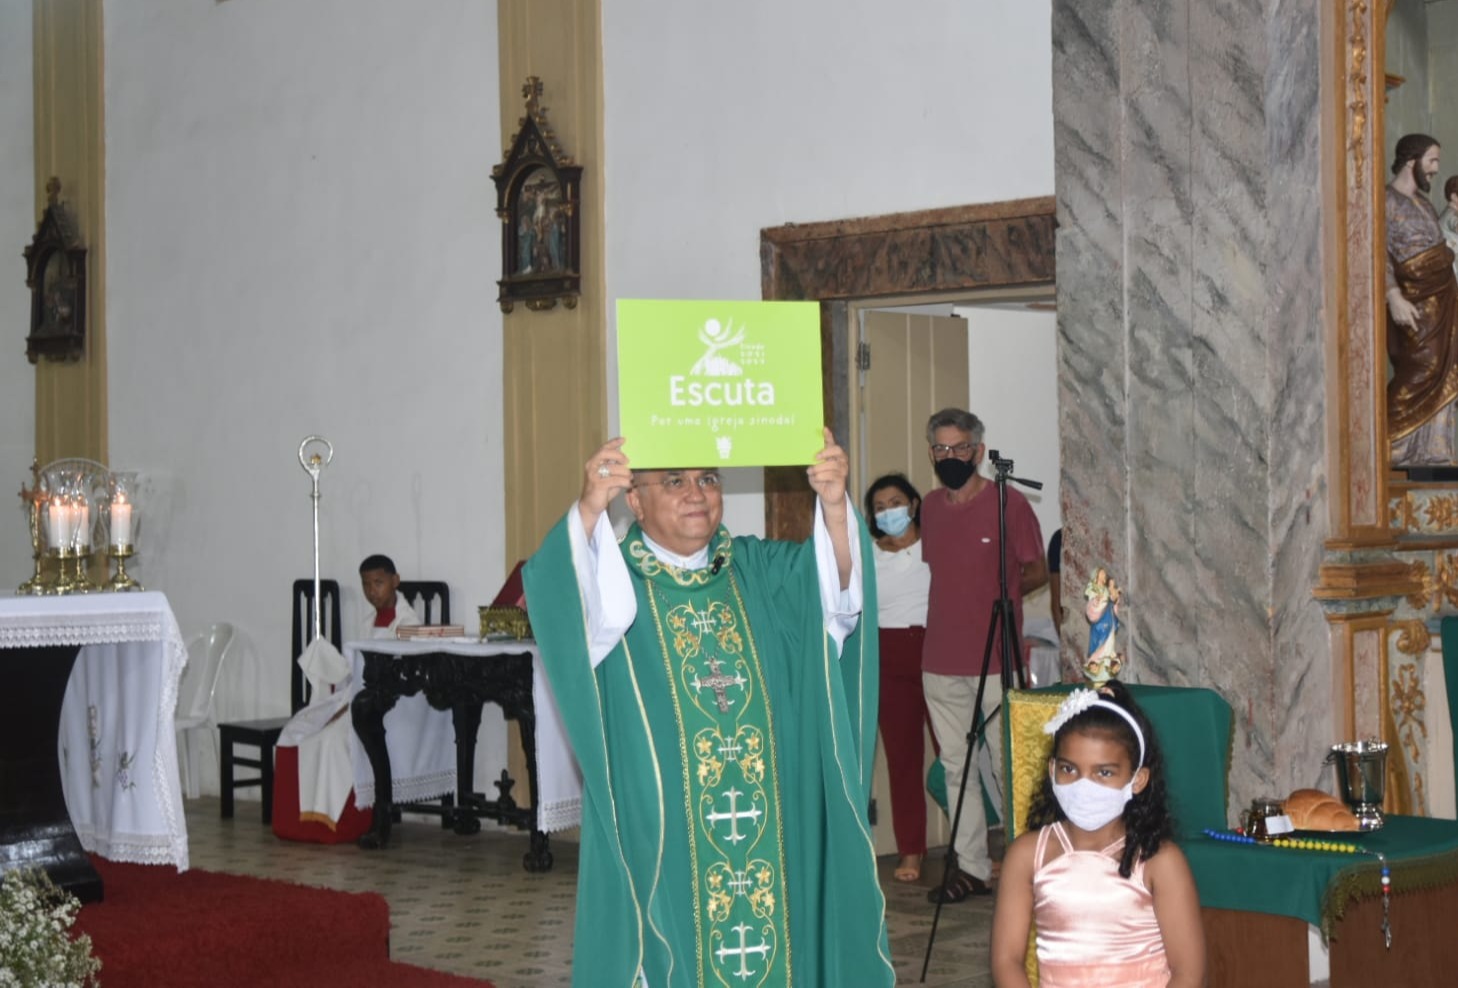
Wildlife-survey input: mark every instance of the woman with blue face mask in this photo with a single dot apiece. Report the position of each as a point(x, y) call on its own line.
point(893, 509)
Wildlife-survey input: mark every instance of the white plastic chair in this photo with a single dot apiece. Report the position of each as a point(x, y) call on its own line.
point(195, 706)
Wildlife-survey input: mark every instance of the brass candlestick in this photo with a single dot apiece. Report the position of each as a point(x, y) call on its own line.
point(35, 500)
point(36, 585)
point(122, 582)
point(64, 583)
point(82, 582)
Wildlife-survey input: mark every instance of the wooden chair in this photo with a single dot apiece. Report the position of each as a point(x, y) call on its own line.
point(263, 734)
point(431, 597)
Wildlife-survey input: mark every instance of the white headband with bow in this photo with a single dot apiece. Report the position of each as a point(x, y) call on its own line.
point(1080, 700)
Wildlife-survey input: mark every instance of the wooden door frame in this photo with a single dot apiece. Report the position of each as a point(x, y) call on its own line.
point(948, 251)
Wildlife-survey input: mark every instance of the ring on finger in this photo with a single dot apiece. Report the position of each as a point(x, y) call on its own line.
point(603, 470)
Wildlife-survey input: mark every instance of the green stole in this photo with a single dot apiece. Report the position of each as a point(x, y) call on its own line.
point(729, 764)
point(726, 753)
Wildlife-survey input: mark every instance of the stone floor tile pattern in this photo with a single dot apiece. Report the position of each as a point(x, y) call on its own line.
point(466, 905)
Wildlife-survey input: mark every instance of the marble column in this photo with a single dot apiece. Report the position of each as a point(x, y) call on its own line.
point(1192, 386)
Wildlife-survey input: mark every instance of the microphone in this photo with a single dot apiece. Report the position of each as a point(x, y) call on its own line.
point(718, 564)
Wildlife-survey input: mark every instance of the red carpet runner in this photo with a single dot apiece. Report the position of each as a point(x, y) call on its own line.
point(158, 929)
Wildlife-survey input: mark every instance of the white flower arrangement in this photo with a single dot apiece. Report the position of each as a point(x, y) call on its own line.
point(36, 946)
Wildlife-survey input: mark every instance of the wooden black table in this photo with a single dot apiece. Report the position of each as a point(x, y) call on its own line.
point(462, 679)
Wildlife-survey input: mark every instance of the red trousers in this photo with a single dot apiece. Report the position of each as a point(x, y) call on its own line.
point(904, 721)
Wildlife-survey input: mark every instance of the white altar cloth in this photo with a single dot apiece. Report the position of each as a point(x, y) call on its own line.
point(421, 739)
point(117, 745)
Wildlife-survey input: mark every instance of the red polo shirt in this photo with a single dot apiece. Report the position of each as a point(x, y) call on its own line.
point(959, 543)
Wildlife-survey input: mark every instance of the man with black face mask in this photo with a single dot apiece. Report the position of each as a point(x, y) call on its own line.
point(960, 545)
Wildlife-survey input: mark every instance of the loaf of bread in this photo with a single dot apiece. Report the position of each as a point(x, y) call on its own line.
point(1312, 809)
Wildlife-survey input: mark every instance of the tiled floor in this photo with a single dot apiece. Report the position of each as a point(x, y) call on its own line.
point(465, 904)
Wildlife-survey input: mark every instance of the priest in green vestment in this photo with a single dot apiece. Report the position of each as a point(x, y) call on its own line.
point(720, 696)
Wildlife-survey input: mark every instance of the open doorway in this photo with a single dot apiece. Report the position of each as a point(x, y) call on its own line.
point(975, 258)
point(993, 353)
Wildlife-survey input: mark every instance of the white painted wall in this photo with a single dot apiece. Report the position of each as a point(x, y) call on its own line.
point(1012, 357)
point(303, 240)
point(17, 227)
point(1442, 85)
point(1012, 381)
point(725, 119)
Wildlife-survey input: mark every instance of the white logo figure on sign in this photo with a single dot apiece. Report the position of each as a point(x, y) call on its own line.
point(717, 337)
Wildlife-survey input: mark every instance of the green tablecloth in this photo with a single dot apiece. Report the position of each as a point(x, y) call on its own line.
point(1317, 885)
point(1194, 728)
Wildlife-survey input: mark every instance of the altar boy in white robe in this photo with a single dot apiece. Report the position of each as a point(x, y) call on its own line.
point(322, 731)
point(381, 585)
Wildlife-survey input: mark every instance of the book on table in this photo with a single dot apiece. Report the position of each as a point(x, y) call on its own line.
point(409, 631)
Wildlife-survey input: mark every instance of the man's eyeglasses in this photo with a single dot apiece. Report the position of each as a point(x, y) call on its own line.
point(677, 483)
point(962, 451)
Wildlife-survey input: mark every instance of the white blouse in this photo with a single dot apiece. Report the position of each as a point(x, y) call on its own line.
point(903, 582)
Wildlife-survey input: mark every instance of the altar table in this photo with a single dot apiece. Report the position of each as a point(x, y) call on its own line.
point(424, 698)
point(1252, 895)
point(99, 673)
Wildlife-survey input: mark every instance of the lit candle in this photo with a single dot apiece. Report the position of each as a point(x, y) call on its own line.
point(61, 524)
point(83, 525)
point(56, 523)
point(121, 524)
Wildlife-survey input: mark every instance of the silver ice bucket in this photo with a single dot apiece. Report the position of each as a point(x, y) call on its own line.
point(1361, 768)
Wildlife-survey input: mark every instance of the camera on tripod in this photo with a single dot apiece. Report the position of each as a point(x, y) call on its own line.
point(1003, 467)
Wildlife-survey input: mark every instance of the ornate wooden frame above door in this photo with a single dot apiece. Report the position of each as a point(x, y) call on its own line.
point(933, 252)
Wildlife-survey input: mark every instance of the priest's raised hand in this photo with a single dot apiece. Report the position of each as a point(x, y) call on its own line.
point(605, 476)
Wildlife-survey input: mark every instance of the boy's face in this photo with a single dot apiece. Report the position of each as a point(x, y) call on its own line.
point(379, 587)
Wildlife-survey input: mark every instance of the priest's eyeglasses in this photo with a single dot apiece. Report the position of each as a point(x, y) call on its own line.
point(677, 483)
point(962, 451)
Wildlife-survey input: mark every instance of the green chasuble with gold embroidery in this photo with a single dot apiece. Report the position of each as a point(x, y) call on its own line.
point(726, 754)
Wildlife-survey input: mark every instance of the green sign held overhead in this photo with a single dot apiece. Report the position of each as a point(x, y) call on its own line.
point(704, 384)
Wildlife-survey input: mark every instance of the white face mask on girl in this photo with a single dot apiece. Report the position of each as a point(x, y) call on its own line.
point(1090, 806)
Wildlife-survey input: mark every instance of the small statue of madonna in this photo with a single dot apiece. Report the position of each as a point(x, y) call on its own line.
point(1102, 610)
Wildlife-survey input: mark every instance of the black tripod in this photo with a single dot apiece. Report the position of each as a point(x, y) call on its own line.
point(1004, 620)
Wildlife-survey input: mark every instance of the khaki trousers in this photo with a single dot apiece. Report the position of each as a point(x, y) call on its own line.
point(949, 701)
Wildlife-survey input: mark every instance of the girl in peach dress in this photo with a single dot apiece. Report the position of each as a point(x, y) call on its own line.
point(1112, 896)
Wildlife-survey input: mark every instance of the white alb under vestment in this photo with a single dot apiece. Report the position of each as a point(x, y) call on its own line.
point(322, 731)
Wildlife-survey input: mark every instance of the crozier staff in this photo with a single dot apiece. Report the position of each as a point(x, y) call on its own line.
point(720, 694)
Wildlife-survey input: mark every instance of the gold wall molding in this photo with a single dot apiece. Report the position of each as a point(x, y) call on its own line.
point(554, 362)
point(1409, 712)
point(1366, 581)
point(1402, 725)
point(1357, 369)
point(70, 143)
point(1413, 637)
point(1437, 584)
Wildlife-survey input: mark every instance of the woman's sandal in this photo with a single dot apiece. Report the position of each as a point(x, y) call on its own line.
point(906, 871)
point(958, 888)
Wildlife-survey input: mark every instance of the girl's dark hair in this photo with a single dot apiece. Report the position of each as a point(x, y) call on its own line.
point(1147, 820)
point(1450, 187)
point(903, 485)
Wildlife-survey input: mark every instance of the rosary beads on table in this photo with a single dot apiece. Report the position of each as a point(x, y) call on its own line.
point(1331, 846)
